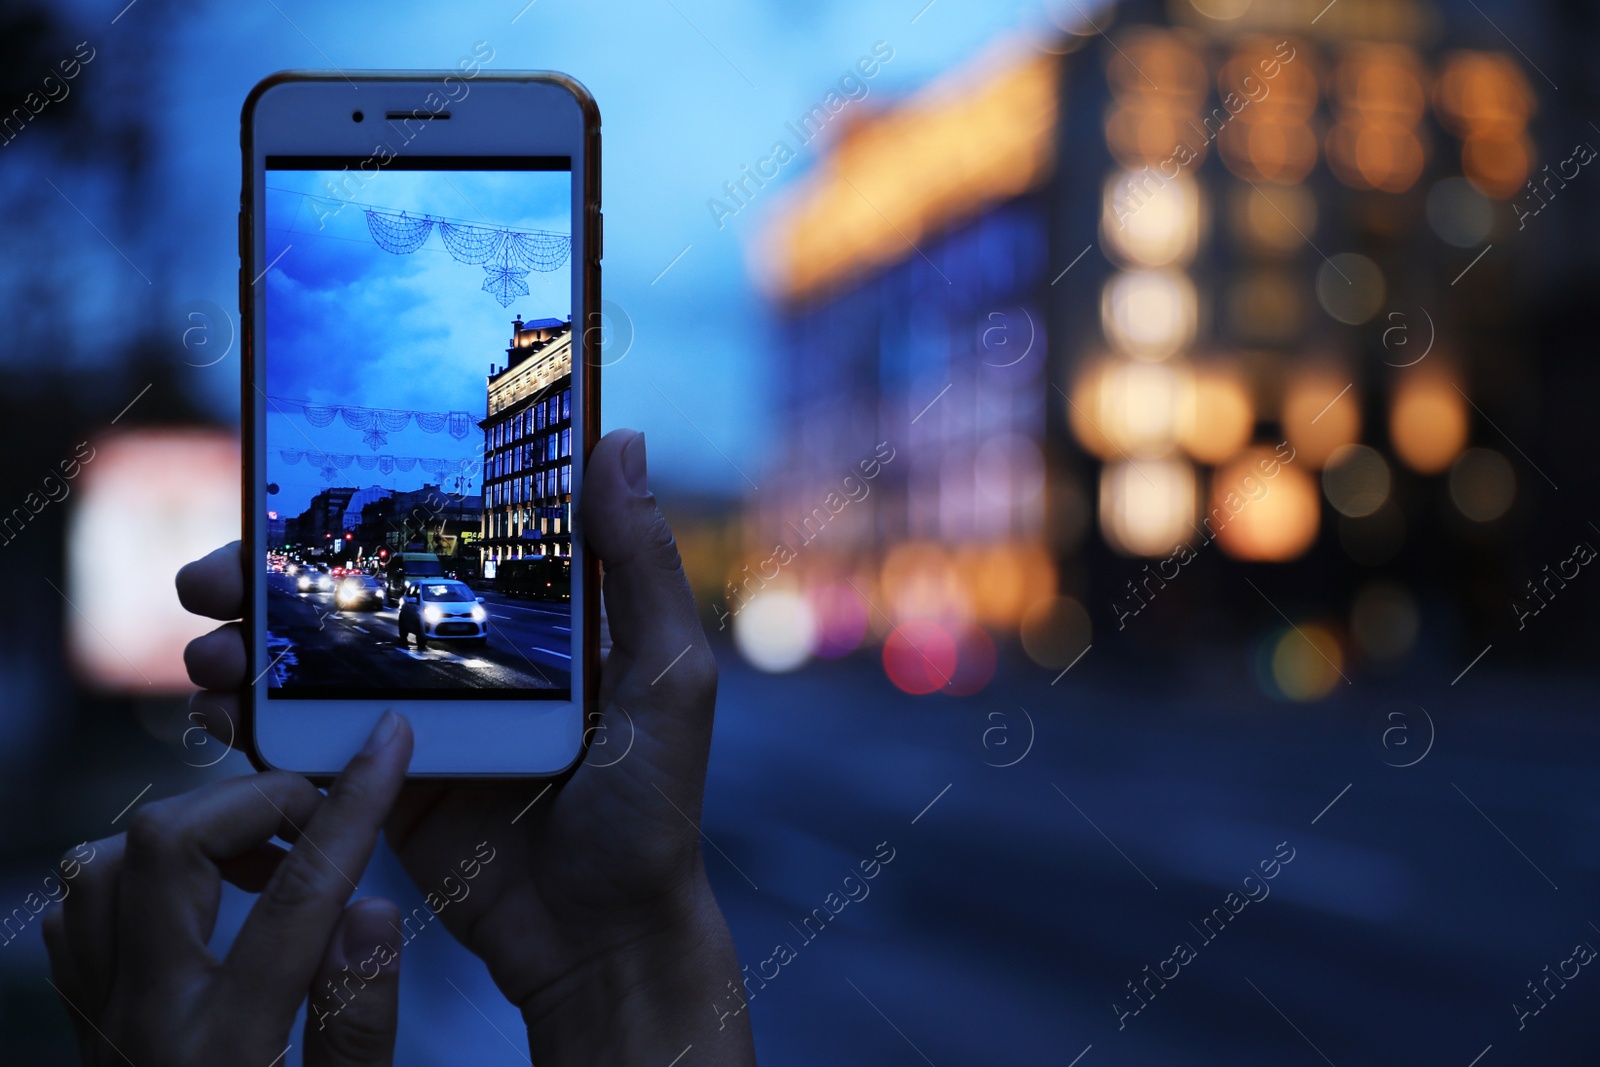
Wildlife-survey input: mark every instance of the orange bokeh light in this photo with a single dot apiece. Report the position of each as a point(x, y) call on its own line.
point(1428, 423)
point(1260, 518)
point(1320, 416)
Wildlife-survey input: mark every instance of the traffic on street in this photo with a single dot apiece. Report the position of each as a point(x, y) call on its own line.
point(329, 632)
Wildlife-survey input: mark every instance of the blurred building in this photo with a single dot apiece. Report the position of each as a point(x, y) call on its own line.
point(1148, 316)
point(527, 447)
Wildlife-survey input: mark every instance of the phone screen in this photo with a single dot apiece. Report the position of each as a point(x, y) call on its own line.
point(419, 427)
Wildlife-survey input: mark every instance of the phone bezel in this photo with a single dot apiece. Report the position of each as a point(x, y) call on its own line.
point(324, 127)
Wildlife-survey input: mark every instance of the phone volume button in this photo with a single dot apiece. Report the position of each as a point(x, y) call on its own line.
point(599, 236)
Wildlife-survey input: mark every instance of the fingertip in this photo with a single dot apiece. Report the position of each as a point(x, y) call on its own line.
point(216, 660)
point(213, 585)
point(368, 933)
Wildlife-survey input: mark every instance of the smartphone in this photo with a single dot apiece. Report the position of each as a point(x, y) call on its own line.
point(419, 268)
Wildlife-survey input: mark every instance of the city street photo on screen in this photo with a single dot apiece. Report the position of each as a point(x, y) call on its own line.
point(418, 428)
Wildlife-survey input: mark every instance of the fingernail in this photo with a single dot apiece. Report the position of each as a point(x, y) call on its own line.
point(381, 734)
point(634, 464)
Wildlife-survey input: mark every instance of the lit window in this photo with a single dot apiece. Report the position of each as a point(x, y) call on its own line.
point(566, 441)
point(566, 404)
point(566, 479)
point(538, 415)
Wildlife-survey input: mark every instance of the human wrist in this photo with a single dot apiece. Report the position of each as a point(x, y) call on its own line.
point(658, 991)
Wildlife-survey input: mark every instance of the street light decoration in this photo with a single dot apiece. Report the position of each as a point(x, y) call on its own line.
point(505, 255)
point(332, 462)
point(377, 423)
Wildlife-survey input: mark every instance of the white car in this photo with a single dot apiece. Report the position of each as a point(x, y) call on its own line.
point(443, 609)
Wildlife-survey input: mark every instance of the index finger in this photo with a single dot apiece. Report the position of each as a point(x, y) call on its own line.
point(283, 940)
point(213, 585)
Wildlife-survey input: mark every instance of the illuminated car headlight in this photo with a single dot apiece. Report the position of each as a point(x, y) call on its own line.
point(431, 614)
point(478, 614)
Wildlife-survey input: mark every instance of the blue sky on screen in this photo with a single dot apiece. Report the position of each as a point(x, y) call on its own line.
point(350, 323)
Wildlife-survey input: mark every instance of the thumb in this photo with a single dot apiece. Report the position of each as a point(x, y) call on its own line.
point(354, 1004)
point(654, 628)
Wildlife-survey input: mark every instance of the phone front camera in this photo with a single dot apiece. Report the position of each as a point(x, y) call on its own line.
point(356, 116)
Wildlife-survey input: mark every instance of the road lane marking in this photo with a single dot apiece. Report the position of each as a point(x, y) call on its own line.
point(536, 611)
point(550, 651)
point(363, 629)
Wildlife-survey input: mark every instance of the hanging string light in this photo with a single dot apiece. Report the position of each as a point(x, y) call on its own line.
point(377, 423)
point(330, 463)
point(505, 255)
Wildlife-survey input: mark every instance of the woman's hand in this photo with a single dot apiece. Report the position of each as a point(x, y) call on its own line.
point(595, 917)
point(128, 944)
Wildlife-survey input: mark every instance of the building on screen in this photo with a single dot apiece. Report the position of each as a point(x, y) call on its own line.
point(527, 449)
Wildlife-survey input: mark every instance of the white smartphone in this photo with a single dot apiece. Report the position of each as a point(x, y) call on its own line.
point(419, 271)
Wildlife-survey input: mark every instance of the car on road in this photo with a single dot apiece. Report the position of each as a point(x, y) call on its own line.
point(405, 569)
point(358, 592)
point(314, 580)
point(442, 609)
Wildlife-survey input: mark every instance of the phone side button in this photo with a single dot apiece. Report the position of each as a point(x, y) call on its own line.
point(241, 236)
point(599, 236)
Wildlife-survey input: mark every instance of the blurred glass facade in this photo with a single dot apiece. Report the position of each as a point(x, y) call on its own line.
point(1149, 316)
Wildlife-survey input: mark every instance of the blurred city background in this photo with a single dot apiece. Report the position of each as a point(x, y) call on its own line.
point(1113, 445)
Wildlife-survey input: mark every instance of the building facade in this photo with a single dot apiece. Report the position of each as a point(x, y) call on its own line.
point(1118, 303)
point(527, 447)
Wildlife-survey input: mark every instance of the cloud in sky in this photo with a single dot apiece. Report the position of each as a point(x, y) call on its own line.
point(350, 323)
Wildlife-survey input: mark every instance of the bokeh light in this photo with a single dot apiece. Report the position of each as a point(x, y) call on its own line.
point(1149, 222)
point(1350, 287)
point(1121, 408)
point(1270, 139)
point(1216, 415)
point(1149, 314)
point(1380, 100)
point(1428, 422)
point(975, 661)
point(841, 619)
point(1356, 481)
point(1279, 221)
point(1260, 518)
point(1306, 662)
point(1146, 507)
point(1003, 578)
point(1055, 631)
point(1484, 99)
point(1483, 484)
point(1320, 414)
point(775, 631)
point(920, 581)
point(919, 657)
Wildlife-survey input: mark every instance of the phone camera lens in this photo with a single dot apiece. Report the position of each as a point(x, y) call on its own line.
point(356, 116)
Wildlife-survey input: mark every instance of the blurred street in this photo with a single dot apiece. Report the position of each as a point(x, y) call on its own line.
point(1008, 924)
